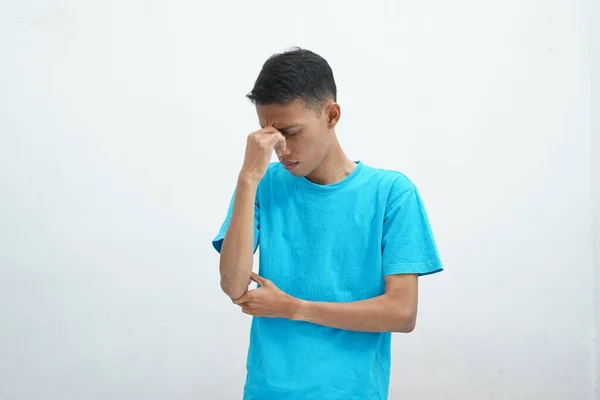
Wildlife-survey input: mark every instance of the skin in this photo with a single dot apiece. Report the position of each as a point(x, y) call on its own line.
point(300, 134)
point(310, 140)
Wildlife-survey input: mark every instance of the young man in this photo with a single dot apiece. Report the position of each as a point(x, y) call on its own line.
point(342, 245)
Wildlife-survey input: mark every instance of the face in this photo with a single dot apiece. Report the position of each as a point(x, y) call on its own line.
point(308, 133)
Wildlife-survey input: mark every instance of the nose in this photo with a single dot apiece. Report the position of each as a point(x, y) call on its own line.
point(282, 150)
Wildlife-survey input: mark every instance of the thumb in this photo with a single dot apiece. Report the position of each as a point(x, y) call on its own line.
point(258, 279)
point(281, 145)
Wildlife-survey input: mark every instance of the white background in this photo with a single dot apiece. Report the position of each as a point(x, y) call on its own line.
point(122, 130)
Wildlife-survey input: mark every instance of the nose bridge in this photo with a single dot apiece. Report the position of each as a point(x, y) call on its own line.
point(287, 151)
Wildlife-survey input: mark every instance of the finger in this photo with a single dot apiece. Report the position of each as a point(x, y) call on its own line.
point(280, 141)
point(244, 299)
point(273, 136)
point(269, 129)
point(278, 151)
point(258, 279)
point(283, 143)
point(247, 310)
point(280, 148)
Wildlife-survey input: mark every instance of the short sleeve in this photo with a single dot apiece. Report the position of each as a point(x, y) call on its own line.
point(218, 240)
point(408, 245)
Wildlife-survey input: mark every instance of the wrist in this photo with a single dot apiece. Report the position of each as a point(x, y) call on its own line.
point(247, 180)
point(297, 309)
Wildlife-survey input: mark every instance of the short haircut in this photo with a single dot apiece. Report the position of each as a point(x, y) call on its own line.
point(294, 74)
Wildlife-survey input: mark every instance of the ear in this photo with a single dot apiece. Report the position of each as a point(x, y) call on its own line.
point(333, 113)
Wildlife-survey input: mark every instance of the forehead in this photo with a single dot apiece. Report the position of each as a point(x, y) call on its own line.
point(279, 115)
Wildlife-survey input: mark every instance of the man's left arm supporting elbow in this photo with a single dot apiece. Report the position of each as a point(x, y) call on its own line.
point(394, 311)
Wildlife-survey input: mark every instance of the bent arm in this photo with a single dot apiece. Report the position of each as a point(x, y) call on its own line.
point(237, 251)
point(394, 311)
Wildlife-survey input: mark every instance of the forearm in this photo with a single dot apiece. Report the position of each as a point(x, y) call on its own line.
point(237, 251)
point(378, 314)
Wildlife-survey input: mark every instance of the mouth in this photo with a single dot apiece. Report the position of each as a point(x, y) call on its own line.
point(289, 165)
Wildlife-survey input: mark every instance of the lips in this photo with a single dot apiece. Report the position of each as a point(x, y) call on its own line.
point(289, 165)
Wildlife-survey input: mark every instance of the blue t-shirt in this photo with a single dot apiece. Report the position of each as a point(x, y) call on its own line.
point(333, 243)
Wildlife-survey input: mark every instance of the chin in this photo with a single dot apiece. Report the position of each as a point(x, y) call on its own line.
point(297, 172)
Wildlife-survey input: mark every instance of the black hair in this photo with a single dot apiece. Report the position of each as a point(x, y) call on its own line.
point(294, 74)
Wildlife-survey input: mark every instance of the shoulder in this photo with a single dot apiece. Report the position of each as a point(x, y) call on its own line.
point(393, 181)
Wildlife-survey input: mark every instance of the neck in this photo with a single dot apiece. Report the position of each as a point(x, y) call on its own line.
point(335, 167)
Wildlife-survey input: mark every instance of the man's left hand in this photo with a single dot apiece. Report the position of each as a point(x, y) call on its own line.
point(267, 301)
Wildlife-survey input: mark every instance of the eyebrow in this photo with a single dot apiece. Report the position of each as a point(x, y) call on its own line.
point(287, 127)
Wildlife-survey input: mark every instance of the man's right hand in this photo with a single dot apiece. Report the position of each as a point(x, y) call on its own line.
point(259, 147)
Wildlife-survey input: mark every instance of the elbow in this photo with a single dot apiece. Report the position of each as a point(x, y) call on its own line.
point(233, 289)
point(234, 281)
point(405, 321)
